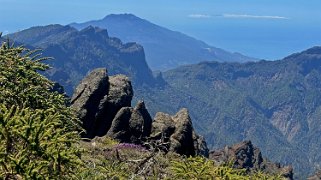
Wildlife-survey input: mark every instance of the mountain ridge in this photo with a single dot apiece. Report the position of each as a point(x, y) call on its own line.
point(165, 49)
point(275, 104)
point(78, 52)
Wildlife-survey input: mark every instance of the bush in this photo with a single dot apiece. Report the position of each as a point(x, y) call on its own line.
point(192, 168)
point(202, 168)
point(38, 132)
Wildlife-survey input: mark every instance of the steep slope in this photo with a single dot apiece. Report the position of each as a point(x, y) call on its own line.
point(165, 49)
point(276, 104)
point(78, 52)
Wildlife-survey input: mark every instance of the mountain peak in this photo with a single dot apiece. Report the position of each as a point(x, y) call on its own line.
point(164, 48)
point(122, 16)
point(314, 50)
point(44, 34)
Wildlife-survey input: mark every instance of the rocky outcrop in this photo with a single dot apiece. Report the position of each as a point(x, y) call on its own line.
point(178, 132)
point(200, 145)
point(245, 156)
point(131, 124)
point(119, 95)
point(86, 100)
point(103, 105)
point(98, 98)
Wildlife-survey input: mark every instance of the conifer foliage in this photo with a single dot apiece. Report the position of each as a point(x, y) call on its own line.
point(38, 132)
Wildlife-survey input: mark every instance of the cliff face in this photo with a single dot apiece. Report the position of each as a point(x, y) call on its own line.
point(78, 52)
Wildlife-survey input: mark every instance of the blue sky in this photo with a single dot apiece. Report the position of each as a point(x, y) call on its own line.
point(269, 29)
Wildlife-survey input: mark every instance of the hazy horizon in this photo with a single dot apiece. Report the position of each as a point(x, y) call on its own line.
point(266, 29)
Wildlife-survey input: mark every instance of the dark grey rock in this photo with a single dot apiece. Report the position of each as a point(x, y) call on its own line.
point(119, 129)
point(86, 99)
point(141, 121)
point(200, 145)
point(120, 92)
point(131, 125)
point(120, 95)
point(182, 139)
point(178, 132)
point(98, 98)
point(245, 156)
point(163, 126)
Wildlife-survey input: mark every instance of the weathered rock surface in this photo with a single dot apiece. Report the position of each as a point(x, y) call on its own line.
point(178, 132)
point(86, 99)
point(131, 125)
point(104, 106)
point(245, 156)
point(98, 98)
point(200, 145)
point(119, 95)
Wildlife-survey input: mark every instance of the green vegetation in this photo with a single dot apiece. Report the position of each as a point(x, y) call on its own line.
point(202, 168)
point(275, 104)
point(106, 159)
point(38, 132)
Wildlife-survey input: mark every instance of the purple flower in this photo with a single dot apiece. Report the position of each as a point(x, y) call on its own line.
point(130, 146)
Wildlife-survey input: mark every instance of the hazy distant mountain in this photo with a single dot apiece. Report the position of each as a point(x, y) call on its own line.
point(275, 104)
point(165, 49)
point(78, 52)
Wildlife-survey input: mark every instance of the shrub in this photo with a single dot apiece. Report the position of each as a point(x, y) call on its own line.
point(192, 168)
point(38, 132)
point(202, 168)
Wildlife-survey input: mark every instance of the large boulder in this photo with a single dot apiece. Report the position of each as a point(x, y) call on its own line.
point(200, 145)
point(98, 98)
point(86, 99)
point(131, 125)
point(177, 131)
point(119, 95)
point(245, 156)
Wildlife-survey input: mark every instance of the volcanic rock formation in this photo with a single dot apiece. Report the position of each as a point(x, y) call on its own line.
point(103, 105)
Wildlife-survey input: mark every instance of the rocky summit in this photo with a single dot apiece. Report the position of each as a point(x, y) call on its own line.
point(178, 131)
point(245, 156)
point(103, 104)
point(131, 124)
point(98, 98)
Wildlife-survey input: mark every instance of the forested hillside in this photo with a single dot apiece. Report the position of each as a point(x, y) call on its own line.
point(276, 104)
